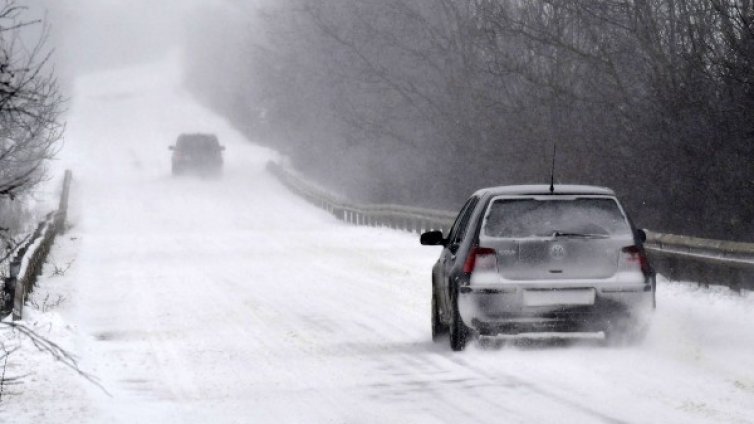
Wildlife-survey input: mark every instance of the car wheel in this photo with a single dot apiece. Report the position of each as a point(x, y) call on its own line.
point(625, 332)
point(438, 328)
point(459, 333)
point(637, 335)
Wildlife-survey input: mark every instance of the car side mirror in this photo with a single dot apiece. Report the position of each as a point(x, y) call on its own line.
point(171, 147)
point(642, 235)
point(432, 238)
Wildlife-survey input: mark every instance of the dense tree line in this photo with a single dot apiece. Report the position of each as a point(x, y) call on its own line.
point(421, 102)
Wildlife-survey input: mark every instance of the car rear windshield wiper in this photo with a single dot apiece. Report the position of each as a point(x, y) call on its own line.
point(578, 235)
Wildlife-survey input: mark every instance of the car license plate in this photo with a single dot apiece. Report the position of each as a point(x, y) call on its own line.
point(558, 297)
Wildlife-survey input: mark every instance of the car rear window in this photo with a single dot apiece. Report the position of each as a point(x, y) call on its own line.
point(537, 217)
point(197, 142)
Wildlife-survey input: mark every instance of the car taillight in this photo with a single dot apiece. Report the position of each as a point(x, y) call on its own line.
point(481, 259)
point(637, 255)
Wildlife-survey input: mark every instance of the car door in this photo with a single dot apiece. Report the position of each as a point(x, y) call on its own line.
point(449, 255)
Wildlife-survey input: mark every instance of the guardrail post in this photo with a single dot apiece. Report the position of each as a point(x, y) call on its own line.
point(19, 296)
point(19, 286)
point(746, 277)
point(9, 288)
point(62, 212)
point(736, 279)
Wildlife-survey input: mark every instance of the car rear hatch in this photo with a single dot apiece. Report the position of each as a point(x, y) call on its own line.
point(557, 258)
point(556, 237)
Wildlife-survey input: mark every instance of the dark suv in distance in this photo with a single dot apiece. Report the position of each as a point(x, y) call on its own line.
point(533, 258)
point(197, 153)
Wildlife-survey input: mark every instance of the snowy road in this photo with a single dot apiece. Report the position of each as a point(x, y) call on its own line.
point(232, 300)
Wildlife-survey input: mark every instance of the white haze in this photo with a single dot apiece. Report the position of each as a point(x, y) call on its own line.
point(90, 35)
point(233, 300)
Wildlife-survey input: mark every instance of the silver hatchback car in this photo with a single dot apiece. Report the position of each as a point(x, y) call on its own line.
point(536, 258)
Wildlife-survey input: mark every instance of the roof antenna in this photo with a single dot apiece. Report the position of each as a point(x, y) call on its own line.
point(552, 169)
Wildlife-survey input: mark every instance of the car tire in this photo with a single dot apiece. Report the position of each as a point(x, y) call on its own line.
point(459, 333)
point(625, 333)
point(438, 328)
point(614, 330)
point(637, 335)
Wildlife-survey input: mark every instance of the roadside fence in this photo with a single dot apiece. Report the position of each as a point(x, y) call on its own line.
point(412, 219)
point(704, 261)
point(27, 263)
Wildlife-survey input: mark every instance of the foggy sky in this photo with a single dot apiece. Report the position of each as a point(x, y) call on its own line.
point(91, 35)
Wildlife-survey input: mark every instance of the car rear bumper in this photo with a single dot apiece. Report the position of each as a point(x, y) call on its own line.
point(515, 309)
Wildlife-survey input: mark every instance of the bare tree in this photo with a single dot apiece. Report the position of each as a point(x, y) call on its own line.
point(19, 332)
point(30, 103)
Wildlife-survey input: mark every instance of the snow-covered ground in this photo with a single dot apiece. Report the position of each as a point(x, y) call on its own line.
point(232, 300)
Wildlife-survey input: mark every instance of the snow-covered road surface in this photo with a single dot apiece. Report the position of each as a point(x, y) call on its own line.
point(232, 300)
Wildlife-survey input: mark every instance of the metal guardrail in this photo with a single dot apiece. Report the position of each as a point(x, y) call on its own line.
point(679, 258)
point(394, 216)
point(29, 259)
point(705, 261)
